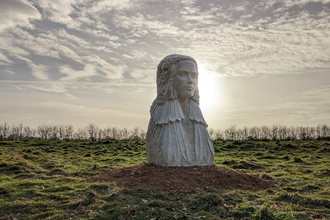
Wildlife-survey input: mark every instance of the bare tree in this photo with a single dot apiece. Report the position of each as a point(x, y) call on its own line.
point(20, 131)
point(134, 134)
point(43, 131)
point(311, 133)
point(303, 133)
point(325, 131)
point(124, 134)
point(230, 133)
point(53, 132)
point(81, 134)
point(13, 133)
point(142, 134)
point(115, 133)
point(239, 134)
point(318, 131)
point(265, 133)
point(107, 133)
point(274, 132)
point(5, 128)
point(254, 133)
point(69, 131)
point(283, 132)
point(100, 134)
point(28, 132)
point(218, 135)
point(1, 132)
point(61, 132)
point(296, 133)
point(245, 133)
point(92, 131)
point(211, 132)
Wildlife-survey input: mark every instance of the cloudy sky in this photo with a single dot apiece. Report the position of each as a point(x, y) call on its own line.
point(85, 61)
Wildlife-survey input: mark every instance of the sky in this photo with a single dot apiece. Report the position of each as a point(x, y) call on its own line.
point(78, 62)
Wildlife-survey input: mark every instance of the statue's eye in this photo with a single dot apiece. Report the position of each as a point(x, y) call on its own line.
point(182, 73)
point(165, 69)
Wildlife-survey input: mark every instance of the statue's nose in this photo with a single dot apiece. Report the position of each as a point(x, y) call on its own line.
point(190, 80)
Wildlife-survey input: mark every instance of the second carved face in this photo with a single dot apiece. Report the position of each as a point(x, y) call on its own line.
point(165, 73)
point(185, 79)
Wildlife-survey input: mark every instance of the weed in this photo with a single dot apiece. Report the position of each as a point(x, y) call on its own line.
point(263, 213)
point(207, 202)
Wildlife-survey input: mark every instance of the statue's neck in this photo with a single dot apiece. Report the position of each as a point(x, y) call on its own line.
point(185, 107)
point(188, 124)
point(184, 99)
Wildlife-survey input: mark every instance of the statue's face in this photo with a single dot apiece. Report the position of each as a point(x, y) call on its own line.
point(185, 79)
point(164, 73)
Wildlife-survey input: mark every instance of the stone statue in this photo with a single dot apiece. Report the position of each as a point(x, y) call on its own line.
point(177, 134)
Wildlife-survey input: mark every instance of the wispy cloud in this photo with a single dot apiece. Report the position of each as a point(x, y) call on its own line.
point(318, 94)
point(17, 12)
point(4, 60)
point(58, 11)
point(72, 74)
point(39, 71)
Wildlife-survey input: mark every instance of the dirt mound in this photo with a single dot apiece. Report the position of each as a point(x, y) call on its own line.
point(172, 179)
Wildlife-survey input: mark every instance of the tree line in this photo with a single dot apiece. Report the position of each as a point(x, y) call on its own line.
point(93, 132)
point(68, 132)
point(275, 132)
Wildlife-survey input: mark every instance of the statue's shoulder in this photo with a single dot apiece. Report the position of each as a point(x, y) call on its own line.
point(196, 113)
point(164, 113)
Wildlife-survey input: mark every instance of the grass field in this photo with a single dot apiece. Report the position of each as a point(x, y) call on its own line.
point(43, 180)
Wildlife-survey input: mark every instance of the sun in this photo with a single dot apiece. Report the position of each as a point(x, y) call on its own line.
point(207, 90)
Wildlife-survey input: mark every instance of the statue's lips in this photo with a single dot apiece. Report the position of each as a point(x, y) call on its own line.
point(189, 88)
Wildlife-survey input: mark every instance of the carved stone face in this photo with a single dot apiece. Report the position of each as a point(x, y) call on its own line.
point(185, 79)
point(164, 73)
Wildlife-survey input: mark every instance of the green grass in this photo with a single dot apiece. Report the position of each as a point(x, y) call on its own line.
point(43, 180)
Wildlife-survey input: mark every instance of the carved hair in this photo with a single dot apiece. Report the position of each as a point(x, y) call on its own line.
point(165, 91)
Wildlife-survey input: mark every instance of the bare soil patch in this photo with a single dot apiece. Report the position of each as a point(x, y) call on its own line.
point(172, 179)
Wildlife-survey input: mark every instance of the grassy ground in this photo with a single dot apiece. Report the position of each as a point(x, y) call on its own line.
point(42, 180)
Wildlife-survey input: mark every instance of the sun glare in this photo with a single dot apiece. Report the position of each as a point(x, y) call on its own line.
point(207, 90)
